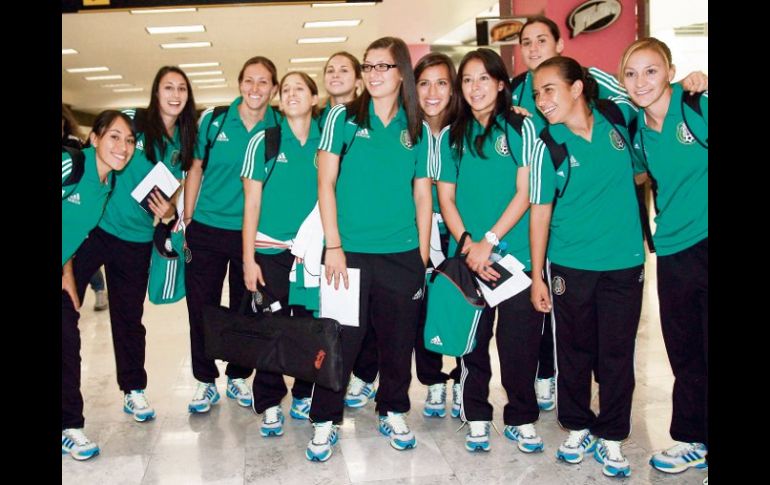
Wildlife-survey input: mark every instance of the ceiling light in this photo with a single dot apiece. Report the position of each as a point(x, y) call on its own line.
point(204, 73)
point(213, 80)
point(212, 86)
point(199, 64)
point(128, 90)
point(103, 78)
point(117, 85)
point(331, 23)
point(303, 68)
point(342, 4)
point(185, 45)
point(88, 69)
point(175, 29)
point(295, 60)
point(320, 40)
point(162, 10)
point(65, 52)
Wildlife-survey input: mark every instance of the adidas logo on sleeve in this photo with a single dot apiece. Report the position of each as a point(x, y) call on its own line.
point(436, 340)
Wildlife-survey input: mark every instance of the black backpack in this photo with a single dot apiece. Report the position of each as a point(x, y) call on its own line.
point(518, 83)
point(78, 169)
point(218, 114)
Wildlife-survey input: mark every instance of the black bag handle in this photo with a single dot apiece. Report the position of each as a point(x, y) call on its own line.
point(460, 243)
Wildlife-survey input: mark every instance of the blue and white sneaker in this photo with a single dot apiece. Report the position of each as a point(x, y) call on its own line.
point(545, 390)
point(435, 403)
point(239, 390)
point(457, 394)
point(526, 437)
point(394, 426)
point(324, 437)
point(205, 395)
point(272, 422)
point(610, 454)
point(359, 393)
point(576, 445)
point(680, 457)
point(77, 444)
point(300, 408)
point(477, 438)
point(135, 402)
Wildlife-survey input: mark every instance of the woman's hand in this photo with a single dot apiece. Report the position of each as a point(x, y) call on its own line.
point(695, 82)
point(252, 275)
point(159, 205)
point(336, 267)
point(477, 259)
point(68, 285)
point(539, 295)
point(520, 110)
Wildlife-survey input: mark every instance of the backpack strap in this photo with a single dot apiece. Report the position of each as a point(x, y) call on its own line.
point(78, 165)
point(219, 112)
point(518, 82)
point(559, 155)
point(517, 122)
point(346, 145)
point(272, 148)
point(693, 102)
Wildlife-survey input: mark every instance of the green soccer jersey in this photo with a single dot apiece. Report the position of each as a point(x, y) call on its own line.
point(595, 223)
point(220, 199)
point(486, 186)
point(123, 217)
point(292, 189)
point(375, 202)
point(83, 205)
point(679, 165)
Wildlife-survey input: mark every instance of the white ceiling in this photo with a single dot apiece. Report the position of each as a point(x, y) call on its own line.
point(119, 41)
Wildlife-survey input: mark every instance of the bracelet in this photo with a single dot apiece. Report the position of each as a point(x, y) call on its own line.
point(333, 247)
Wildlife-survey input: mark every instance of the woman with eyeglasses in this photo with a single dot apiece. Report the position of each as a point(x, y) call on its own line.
point(375, 202)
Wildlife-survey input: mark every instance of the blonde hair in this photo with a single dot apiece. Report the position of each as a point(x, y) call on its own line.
point(650, 43)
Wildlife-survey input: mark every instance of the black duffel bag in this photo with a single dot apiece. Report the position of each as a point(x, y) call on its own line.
point(305, 348)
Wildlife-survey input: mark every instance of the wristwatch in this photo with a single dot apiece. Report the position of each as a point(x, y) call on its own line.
point(491, 238)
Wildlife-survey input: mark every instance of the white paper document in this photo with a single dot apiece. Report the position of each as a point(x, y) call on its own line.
point(515, 284)
point(436, 255)
point(341, 304)
point(162, 178)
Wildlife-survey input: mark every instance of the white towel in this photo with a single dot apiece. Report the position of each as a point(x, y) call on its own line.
point(308, 245)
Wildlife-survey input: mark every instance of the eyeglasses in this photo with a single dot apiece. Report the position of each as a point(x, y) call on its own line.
point(381, 67)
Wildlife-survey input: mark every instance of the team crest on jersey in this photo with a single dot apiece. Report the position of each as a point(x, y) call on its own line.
point(501, 146)
point(406, 140)
point(558, 285)
point(616, 140)
point(175, 157)
point(683, 134)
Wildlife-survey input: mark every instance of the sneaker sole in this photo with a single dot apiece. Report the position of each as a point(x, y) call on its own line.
point(271, 432)
point(438, 413)
point(320, 457)
point(401, 446)
point(546, 406)
point(83, 457)
point(611, 471)
point(477, 447)
point(455, 414)
point(138, 418)
point(673, 470)
point(568, 458)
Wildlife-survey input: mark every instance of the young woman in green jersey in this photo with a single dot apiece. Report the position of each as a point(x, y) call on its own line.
point(483, 189)
point(213, 213)
point(376, 209)
point(278, 195)
point(583, 197)
point(122, 242)
point(342, 80)
point(670, 134)
point(112, 146)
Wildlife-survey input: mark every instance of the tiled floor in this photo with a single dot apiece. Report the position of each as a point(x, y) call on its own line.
point(224, 446)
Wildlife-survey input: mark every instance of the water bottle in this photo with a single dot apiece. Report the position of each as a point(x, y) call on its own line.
point(499, 252)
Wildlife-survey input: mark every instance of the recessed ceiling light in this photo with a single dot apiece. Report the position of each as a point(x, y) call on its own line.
point(213, 80)
point(303, 68)
point(88, 69)
point(204, 73)
point(343, 4)
point(295, 60)
point(320, 40)
point(212, 86)
point(117, 85)
point(199, 64)
point(185, 45)
point(175, 29)
point(103, 78)
point(331, 23)
point(162, 10)
point(313, 74)
point(128, 90)
point(65, 52)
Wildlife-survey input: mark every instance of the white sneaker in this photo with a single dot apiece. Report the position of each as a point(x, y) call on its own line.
point(324, 437)
point(526, 437)
point(435, 403)
point(545, 390)
point(395, 427)
point(205, 395)
point(272, 422)
point(680, 457)
point(610, 454)
point(135, 403)
point(77, 444)
point(457, 394)
point(477, 438)
point(100, 300)
point(359, 393)
point(239, 390)
point(576, 445)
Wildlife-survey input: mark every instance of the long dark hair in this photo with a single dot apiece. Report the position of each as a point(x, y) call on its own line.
point(461, 128)
point(155, 130)
point(408, 91)
point(106, 118)
point(542, 19)
point(439, 59)
point(570, 71)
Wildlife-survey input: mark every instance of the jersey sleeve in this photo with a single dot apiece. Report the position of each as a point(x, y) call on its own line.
point(333, 135)
point(424, 153)
point(254, 160)
point(445, 166)
point(542, 176)
point(528, 137)
point(609, 87)
point(66, 165)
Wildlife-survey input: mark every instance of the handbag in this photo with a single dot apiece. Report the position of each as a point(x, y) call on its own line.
point(252, 336)
point(166, 282)
point(455, 305)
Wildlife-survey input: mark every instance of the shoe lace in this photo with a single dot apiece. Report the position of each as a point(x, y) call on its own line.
point(397, 422)
point(575, 438)
point(479, 428)
point(271, 414)
point(613, 450)
point(322, 431)
point(527, 430)
point(77, 436)
point(139, 399)
point(437, 393)
point(200, 392)
point(240, 384)
point(456, 393)
point(356, 386)
point(680, 449)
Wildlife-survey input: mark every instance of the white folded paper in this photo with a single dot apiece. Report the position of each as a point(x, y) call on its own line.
point(341, 304)
point(518, 282)
point(162, 178)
